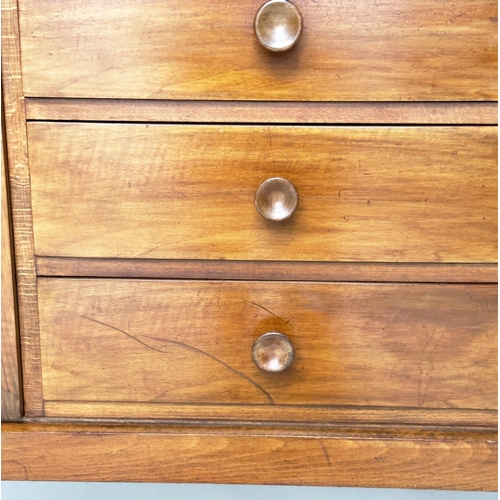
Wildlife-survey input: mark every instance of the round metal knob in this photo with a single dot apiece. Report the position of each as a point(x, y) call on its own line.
point(276, 199)
point(278, 25)
point(273, 352)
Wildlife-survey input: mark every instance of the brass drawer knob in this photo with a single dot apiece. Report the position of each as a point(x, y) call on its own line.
point(278, 25)
point(276, 199)
point(273, 352)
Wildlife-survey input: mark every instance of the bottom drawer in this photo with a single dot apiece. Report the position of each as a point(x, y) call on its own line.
point(144, 348)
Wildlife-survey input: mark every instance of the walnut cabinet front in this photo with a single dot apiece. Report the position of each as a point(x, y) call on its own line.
point(251, 243)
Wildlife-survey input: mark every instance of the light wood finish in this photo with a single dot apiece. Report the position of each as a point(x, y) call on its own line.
point(246, 455)
point(392, 51)
point(267, 270)
point(11, 395)
point(394, 384)
point(377, 113)
point(422, 346)
point(20, 198)
point(382, 420)
point(384, 194)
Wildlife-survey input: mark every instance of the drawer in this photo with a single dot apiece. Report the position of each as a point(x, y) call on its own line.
point(106, 344)
point(372, 194)
point(437, 50)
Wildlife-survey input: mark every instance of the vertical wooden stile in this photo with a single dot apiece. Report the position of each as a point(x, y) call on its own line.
point(17, 157)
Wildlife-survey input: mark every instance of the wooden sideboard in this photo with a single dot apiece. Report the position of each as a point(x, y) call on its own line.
point(160, 324)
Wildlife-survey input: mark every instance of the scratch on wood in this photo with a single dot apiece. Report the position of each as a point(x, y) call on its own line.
point(122, 331)
point(24, 467)
point(473, 301)
point(265, 309)
point(366, 383)
point(423, 394)
point(185, 346)
point(487, 304)
point(325, 453)
point(400, 355)
point(199, 351)
point(219, 287)
point(422, 400)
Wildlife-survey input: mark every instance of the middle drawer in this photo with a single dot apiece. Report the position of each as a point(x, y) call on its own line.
point(373, 194)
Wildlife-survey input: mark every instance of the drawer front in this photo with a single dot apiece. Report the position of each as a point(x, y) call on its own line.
point(349, 51)
point(372, 194)
point(159, 342)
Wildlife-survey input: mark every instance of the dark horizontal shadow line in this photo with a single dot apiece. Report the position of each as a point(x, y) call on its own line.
point(266, 123)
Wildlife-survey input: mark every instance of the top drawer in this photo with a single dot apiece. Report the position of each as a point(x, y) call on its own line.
point(400, 50)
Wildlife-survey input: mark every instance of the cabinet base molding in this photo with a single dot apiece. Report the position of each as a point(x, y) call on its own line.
point(248, 455)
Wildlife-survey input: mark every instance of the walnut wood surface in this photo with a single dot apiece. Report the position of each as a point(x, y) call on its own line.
point(268, 270)
point(20, 198)
point(384, 372)
point(398, 50)
point(446, 113)
point(372, 194)
point(11, 396)
point(382, 420)
point(242, 455)
point(421, 346)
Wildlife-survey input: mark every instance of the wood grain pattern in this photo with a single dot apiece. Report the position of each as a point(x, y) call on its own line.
point(396, 50)
point(421, 346)
point(366, 194)
point(11, 395)
point(380, 420)
point(267, 270)
point(19, 178)
point(444, 113)
point(169, 454)
point(393, 385)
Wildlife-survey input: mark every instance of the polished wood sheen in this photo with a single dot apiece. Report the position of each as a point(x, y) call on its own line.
point(248, 455)
point(367, 194)
point(397, 50)
point(415, 346)
point(153, 276)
